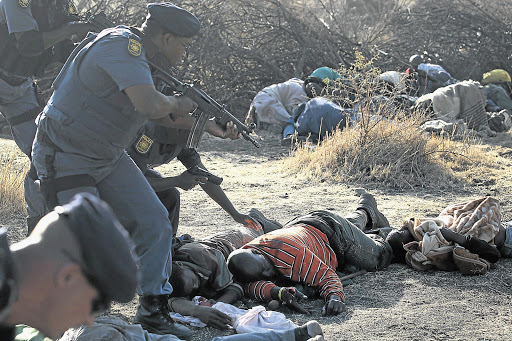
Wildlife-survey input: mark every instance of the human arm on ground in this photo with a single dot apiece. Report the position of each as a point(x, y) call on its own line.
point(288, 296)
point(474, 245)
point(231, 294)
point(260, 290)
point(211, 316)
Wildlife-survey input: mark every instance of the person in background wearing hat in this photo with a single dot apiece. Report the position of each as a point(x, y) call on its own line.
point(102, 97)
point(317, 82)
point(76, 261)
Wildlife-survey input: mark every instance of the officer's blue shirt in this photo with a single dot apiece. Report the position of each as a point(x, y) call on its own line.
point(18, 15)
point(83, 125)
point(109, 67)
point(151, 149)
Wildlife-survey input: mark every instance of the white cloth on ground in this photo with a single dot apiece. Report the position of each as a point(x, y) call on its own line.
point(254, 320)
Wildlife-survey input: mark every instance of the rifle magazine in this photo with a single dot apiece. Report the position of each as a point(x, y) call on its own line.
point(197, 130)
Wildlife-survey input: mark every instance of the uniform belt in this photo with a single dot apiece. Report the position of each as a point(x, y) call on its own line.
point(29, 115)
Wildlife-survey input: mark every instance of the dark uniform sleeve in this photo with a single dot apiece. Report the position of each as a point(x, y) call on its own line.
point(19, 18)
point(140, 160)
point(189, 157)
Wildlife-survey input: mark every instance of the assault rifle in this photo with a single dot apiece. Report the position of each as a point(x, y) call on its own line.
point(99, 21)
point(207, 107)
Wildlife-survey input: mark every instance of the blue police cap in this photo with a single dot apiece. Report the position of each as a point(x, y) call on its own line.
point(173, 19)
point(105, 245)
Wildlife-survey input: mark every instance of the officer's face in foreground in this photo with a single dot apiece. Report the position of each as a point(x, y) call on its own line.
point(174, 47)
point(73, 302)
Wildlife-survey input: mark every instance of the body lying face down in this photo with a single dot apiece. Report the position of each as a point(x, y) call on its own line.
point(270, 263)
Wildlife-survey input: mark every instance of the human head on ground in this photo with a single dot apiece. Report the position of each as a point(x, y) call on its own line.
point(171, 28)
point(75, 262)
point(397, 238)
point(415, 61)
point(248, 265)
point(185, 282)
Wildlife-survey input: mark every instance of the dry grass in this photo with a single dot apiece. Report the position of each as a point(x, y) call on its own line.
point(13, 167)
point(392, 154)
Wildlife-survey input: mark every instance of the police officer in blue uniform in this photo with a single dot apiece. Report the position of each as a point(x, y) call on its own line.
point(102, 98)
point(33, 33)
point(157, 145)
point(76, 261)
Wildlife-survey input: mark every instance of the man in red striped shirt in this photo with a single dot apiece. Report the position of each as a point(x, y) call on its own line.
point(309, 250)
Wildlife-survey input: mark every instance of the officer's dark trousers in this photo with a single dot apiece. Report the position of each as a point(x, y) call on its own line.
point(123, 186)
point(170, 198)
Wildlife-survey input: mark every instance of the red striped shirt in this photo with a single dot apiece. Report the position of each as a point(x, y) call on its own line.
point(300, 253)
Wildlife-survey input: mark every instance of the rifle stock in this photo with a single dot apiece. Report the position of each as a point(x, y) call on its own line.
point(207, 106)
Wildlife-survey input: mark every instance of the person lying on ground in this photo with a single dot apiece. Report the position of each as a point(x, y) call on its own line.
point(74, 263)
point(317, 118)
point(199, 268)
point(308, 250)
point(274, 105)
point(468, 237)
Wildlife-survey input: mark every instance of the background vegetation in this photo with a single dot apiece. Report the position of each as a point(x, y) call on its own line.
point(246, 45)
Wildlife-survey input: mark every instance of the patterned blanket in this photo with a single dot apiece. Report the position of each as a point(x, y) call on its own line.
point(480, 218)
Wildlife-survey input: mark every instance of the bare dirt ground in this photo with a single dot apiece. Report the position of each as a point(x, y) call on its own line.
point(395, 304)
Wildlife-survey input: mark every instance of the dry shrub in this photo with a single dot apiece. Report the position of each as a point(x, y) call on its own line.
point(385, 145)
point(394, 154)
point(13, 168)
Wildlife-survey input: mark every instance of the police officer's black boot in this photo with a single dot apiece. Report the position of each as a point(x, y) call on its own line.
point(153, 315)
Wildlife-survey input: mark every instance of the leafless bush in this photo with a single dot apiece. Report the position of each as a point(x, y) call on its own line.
point(245, 45)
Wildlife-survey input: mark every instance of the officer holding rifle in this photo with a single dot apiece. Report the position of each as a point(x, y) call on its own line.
point(102, 98)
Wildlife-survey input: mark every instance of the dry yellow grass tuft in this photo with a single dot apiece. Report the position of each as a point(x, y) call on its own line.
point(13, 167)
point(394, 154)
